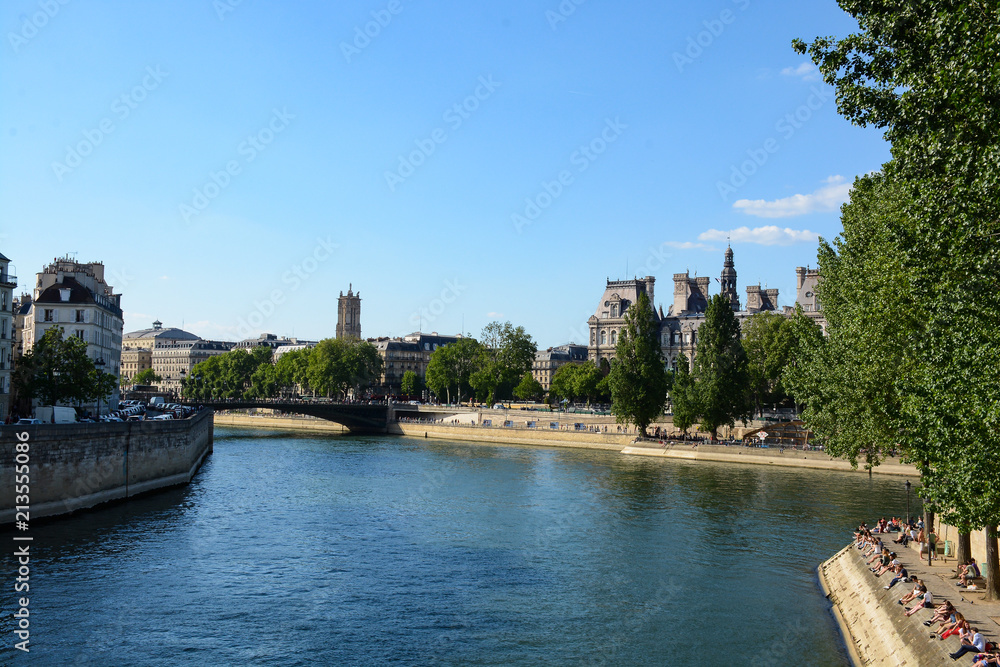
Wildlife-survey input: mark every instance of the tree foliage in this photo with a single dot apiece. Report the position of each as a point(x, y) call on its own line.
point(529, 389)
point(926, 73)
point(769, 342)
point(638, 379)
point(146, 376)
point(58, 370)
point(450, 369)
point(411, 385)
point(684, 395)
point(506, 354)
point(333, 368)
point(720, 369)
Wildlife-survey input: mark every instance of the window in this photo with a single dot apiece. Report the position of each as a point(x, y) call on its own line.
point(79, 316)
point(604, 338)
point(614, 337)
point(78, 333)
point(50, 315)
point(614, 310)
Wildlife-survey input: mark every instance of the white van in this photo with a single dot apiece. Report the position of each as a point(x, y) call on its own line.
point(55, 414)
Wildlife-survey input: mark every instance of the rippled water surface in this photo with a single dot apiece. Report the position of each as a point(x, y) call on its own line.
point(300, 550)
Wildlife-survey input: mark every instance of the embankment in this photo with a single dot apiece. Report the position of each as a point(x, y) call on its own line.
point(289, 422)
point(76, 466)
point(872, 623)
point(772, 456)
point(540, 437)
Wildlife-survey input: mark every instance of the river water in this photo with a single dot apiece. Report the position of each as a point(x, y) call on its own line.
point(302, 550)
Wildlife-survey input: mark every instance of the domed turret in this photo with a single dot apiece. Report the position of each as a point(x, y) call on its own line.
point(728, 280)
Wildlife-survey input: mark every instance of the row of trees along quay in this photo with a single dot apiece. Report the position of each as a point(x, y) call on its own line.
point(909, 288)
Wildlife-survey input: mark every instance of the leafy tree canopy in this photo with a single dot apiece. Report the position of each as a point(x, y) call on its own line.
point(638, 378)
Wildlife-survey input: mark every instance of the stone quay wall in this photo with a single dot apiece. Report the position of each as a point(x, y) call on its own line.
point(874, 628)
point(76, 466)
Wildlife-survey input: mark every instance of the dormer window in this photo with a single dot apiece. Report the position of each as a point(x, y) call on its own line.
point(64, 293)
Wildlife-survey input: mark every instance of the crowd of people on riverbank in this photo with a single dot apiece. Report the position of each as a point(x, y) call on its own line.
point(949, 621)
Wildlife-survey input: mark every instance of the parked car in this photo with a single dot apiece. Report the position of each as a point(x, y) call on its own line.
point(25, 420)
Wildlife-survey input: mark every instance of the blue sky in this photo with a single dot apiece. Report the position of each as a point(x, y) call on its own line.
point(236, 164)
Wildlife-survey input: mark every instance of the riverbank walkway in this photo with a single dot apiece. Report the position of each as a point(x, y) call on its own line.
point(940, 580)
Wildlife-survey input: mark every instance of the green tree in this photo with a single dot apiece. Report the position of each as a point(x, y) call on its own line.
point(769, 342)
point(638, 378)
point(507, 353)
point(529, 389)
point(563, 385)
point(683, 396)
point(292, 369)
point(146, 377)
point(411, 384)
point(722, 380)
point(264, 382)
point(451, 367)
point(58, 370)
point(587, 381)
point(926, 73)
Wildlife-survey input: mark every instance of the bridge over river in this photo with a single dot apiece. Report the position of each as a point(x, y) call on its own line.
point(357, 417)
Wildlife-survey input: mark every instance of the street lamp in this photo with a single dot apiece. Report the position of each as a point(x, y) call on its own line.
point(907, 503)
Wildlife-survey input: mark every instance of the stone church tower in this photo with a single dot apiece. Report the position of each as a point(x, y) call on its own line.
point(728, 280)
point(349, 314)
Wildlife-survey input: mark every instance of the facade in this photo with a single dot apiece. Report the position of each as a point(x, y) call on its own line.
point(806, 298)
point(7, 334)
point(148, 338)
point(173, 360)
point(135, 360)
point(349, 314)
point(548, 361)
point(409, 353)
point(22, 308)
point(74, 296)
point(271, 341)
point(170, 352)
point(609, 319)
point(292, 347)
point(679, 325)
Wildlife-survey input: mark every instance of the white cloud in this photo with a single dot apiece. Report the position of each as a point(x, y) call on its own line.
point(494, 316)
point(688, 245)
point(827, 198)
point(768, 235)
point(806, 71)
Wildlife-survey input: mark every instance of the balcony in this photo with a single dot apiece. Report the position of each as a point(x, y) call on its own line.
point(7, 280)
